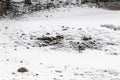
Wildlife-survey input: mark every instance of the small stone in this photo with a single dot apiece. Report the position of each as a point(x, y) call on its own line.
point(41, 63)
point(7, 59)
point(27, 48)
point(23, 34)
point(58, 71)
point(21, 61)
point(13, 73)
point(47, 33)
point(15, 49)
point(37, 74)
point(61, 75)
point(22, 70)
point(6, 27)
point(86, 38)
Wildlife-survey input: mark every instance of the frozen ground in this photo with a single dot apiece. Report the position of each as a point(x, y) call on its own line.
point(23, 44)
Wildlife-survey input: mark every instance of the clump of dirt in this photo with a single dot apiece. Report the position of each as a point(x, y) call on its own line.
point(86, 43)
point(58, 71)
point(64, 28)
point(22, 70)
point(86, 38)
point(81, 48)
point(47, 41)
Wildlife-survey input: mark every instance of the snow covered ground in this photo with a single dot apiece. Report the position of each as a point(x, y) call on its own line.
point(22, 44)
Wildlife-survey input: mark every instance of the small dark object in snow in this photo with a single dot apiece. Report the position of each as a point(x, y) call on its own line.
point(45, 38)
point(22, 70)
point(105, 71)
point(106, 49)
point(59, 37)
point(6, 27)
point(27, 48)
point(15, 49)
point(23, 34)
point(46, 41)
point(86, 38)
point(28, 43)
point(61, 75)
point(77, 68)
point(47, 16)
point(64, 29)
point(31, 38)
point(37, 74)
point(13, 73)
point(81, 48)
point(63, 26)
point(110, 44)
point(115, 53)
point(15, 46)
point(7, 59)
point(41, 63)
point(21, 61)
point(58, 71)
point(81, 74)
point(76, 74)
point(55, 79)
point(47, 33)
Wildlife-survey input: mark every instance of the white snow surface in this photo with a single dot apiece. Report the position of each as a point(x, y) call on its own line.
point(64, 63)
